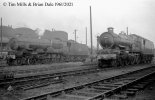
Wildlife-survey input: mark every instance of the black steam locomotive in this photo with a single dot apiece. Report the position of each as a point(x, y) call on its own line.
point(124, 49)
point(23, 46)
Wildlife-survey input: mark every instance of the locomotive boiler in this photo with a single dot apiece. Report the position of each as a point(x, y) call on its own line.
point(123, 49)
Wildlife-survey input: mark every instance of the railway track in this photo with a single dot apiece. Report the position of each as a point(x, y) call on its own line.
point(46, 76)
point(129, 91)
point(44, 80)
point(32, 82)
point(98, 89)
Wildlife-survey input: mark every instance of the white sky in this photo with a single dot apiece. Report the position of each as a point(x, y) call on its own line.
point(138, 15)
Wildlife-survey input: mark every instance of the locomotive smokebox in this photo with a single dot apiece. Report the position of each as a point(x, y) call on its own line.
point(106, 39)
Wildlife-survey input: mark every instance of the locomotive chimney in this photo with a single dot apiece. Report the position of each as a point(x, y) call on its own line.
point(110, 30)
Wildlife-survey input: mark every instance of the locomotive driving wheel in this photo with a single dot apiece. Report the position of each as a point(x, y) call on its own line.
point(132, 60)
point(127, 62)
point(19, 61)
point(15, 62)
point(120, 62)
point(30, 61)
point(137, 60)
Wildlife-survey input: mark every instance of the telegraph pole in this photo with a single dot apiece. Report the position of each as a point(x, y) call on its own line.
point(75, 34)
point(1, 37)
point(86, 35)
point(77, 39)
point(127, 30)
point(91, 38)
point(97, 43)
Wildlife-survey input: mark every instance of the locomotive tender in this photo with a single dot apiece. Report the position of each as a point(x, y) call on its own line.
point(53, 46)
point(124, 49)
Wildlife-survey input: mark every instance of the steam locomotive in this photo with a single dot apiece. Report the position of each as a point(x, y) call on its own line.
point(123, 49)
point(53, 46)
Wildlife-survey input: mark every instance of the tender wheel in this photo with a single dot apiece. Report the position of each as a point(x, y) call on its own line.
point(121, 63)
point(137, 60)
point(99, 64)
point(114, 63)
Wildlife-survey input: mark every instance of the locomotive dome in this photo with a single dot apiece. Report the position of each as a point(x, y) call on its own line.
point(106, 39)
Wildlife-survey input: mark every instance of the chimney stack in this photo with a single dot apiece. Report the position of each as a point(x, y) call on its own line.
point(110, 30)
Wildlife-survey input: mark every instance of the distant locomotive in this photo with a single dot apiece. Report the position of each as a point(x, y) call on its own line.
point(53, 46)
point(123, 49)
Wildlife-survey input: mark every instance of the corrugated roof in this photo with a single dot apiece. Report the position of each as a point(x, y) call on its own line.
point(8, 31)
point(26, 32)
point(50, 35)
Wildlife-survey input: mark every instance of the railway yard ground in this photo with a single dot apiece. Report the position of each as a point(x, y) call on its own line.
point(147, 94)
point(35, 70)
point(68, 82)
